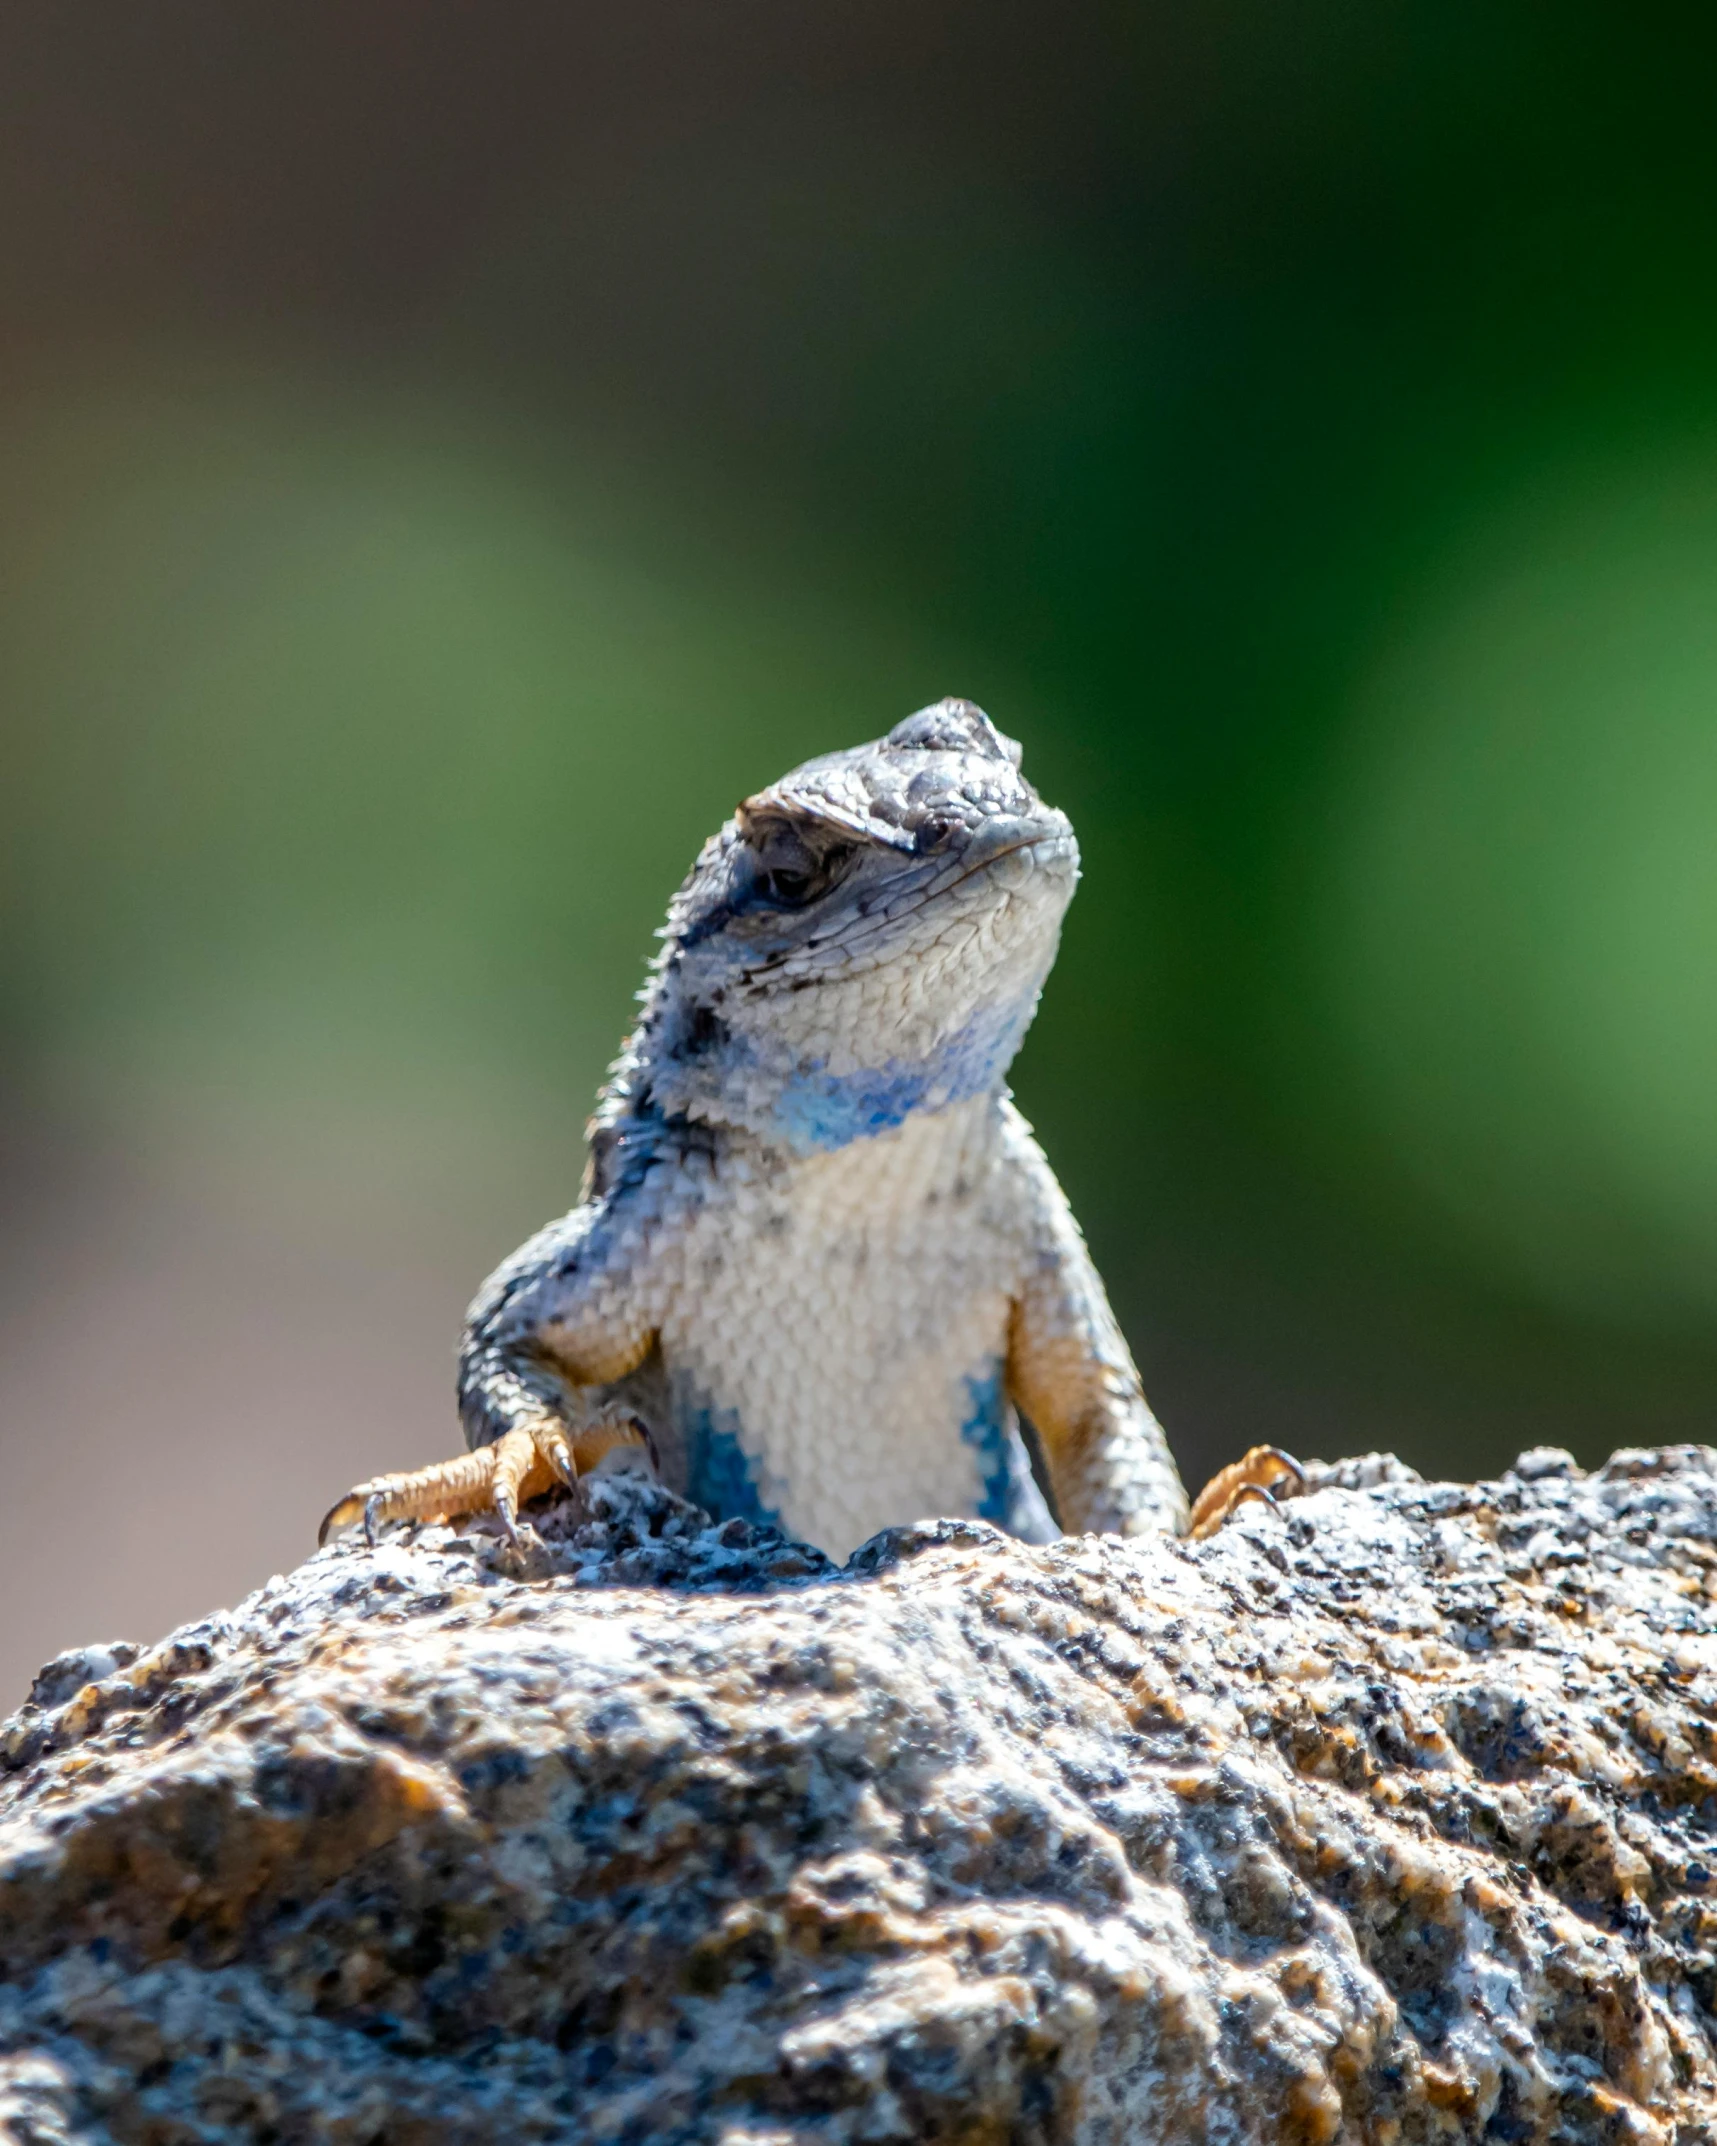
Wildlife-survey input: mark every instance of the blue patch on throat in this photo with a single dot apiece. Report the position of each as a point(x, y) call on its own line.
point(827, 1110)
point(822, 1110)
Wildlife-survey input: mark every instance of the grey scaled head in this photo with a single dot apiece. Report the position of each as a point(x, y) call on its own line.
point(864, 939)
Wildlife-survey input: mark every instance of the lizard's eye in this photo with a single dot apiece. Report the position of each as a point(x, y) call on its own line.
point(936, 829)
point(792, 870)
point(783, 885)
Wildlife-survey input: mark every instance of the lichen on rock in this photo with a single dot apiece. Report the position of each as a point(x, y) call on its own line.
point(1388, 1816)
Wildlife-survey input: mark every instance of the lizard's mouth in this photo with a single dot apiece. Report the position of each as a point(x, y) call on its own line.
point(1013, 858)
point(1019, 858)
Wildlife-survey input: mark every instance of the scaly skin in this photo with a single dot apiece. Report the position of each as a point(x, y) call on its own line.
point(820, 1258)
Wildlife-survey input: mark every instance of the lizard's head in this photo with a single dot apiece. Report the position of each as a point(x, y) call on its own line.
point(864, 939)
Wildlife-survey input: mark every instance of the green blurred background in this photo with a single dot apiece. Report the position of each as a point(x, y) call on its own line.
point(448, 455)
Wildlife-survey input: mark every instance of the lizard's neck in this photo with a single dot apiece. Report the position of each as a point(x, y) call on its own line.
point(809, 1072)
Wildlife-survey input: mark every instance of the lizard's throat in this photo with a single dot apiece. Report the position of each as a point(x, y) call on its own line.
point(810, 1101)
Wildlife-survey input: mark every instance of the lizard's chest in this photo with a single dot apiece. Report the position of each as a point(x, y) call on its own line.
point(838, 1326)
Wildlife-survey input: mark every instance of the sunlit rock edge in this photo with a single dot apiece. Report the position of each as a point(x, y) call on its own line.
point(1388, 1815)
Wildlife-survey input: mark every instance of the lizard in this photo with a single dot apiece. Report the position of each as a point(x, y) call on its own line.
point(820, 1266)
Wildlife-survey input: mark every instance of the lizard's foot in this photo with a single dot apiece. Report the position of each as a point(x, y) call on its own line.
point(1266, 1473)
point(521, 1464)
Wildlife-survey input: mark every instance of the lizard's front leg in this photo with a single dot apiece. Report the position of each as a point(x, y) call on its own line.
point(522, 1464)
point(545, 1327)
point(1070, 1371)
point(1265, 1472)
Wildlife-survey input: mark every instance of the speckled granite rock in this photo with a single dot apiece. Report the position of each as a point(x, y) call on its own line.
point(1391, 1816)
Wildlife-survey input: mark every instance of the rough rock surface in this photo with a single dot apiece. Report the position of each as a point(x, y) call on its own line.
point(1388, 1816)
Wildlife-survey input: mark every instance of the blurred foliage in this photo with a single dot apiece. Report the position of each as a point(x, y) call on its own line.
point(353, 726)
point(1521, 937)
point(1295, 425)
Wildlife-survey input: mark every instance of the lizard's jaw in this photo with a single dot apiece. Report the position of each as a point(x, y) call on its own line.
point(929, 1014)
point(1012, 863)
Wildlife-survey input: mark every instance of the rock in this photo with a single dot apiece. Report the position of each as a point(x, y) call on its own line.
point(1389, 1815)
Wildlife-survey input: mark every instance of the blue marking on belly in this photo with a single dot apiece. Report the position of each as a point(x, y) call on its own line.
point(821, 1110)
point(1010, 1497)
point(720, 1473)
point(987, 1431)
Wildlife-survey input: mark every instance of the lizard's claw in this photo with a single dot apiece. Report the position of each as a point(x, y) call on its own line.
point(1266, 1473)
point(521, 1465)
